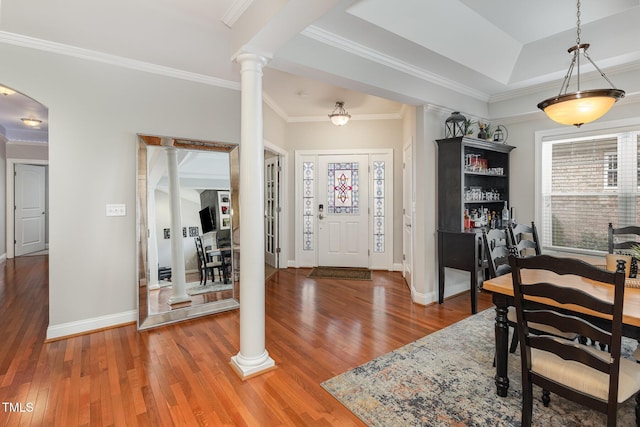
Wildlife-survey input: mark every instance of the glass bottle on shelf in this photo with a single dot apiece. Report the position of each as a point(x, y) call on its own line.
point(467, 220)
point(505, 215)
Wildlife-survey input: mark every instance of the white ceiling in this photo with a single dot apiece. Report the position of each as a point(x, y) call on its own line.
point(366, 53)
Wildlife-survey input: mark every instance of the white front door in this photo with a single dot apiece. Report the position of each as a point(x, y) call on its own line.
point(272, 210)
point(343, 210)
point(29, 209)
point(407, 214)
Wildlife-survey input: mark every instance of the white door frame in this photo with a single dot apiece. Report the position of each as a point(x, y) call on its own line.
point(272, 216)
point(309, 257)
point(408, 220)
point(9, 191)
point(30, 208)
point(283, 230)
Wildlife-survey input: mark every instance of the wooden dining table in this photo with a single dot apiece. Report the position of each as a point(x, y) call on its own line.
point(501, 289)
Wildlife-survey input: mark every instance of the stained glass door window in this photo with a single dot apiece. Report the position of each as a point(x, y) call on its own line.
point(342, 188)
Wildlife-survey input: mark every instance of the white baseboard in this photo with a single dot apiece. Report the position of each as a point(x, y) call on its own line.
point(423, 299)
point(3, 257)
point(88, 325)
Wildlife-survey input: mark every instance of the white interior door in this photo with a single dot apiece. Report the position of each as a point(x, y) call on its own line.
point(30, 208)
point(407, 214)
point(272, 210)
point(343, 211)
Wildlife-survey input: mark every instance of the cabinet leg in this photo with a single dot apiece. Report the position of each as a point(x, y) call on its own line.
point(474, 290)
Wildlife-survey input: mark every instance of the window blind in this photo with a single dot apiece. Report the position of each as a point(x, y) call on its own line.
point(586, 184)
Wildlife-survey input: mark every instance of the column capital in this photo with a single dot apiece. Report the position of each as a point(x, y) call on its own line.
point(245, 57)
point(166, 142)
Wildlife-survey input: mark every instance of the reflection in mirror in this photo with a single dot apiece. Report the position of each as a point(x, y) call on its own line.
point(185, 221)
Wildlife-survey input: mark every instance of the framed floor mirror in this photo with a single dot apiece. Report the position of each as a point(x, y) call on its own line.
point(186, 215)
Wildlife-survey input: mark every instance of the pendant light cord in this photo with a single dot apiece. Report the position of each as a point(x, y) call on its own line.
point(577, 52)
point(578, 25)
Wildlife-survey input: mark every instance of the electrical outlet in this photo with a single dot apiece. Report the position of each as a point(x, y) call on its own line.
point(116, 210)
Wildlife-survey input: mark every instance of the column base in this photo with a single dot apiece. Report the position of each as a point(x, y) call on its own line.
point(179, 300)
point(246, 372)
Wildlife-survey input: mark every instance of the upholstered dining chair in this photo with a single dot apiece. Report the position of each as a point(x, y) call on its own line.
point(524, 238)
point(223, 240)
point(622, 239)
point(206, 267)
point(578, 372)
point(497, 253)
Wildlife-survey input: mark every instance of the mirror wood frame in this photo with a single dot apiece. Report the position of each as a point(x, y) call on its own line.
point(146, 319)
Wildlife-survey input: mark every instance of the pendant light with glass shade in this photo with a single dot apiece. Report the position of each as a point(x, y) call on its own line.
point(339, 115)
point(31, 122)
point(582, 106)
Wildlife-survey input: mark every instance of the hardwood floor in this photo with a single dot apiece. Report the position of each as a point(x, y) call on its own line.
point(180, 374)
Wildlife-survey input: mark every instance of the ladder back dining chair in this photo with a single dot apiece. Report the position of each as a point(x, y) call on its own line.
point(578, 372)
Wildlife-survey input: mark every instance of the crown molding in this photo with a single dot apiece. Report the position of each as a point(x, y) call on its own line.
point(555, 85)
point(23, 142)
point(347, 45)
point(27, 136)
point(118, 61)
point(274, 106)
point(235, 11)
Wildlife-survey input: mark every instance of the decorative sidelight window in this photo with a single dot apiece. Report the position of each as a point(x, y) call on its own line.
point(378, 206)
point(308, 204)
point(342, 188)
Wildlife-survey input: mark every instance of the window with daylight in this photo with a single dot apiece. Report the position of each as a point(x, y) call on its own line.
point(342, 196)
point(586, 184)
point(610, 170)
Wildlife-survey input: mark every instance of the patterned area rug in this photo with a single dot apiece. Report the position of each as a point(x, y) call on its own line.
point(196, 288)
point(340, 273)
point(446, 379)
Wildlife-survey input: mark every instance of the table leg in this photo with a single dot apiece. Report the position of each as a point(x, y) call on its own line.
point(474, 290)
point(502, 344)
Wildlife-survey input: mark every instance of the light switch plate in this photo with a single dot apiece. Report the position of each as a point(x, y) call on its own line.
point(116, 210)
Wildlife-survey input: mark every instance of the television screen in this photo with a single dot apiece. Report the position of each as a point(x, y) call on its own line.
point(207, 220)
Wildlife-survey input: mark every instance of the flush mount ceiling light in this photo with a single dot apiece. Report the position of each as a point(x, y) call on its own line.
point(6, 91)
point(582, 106)
point(339, 115)
point(31, 122)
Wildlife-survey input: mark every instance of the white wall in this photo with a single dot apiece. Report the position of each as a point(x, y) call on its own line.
point(95, 112)
point(275, 128)
point(3, 197)
point(27, 150)
point(429, 127)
